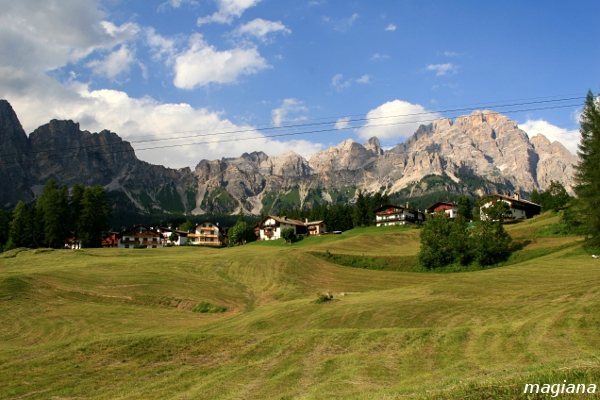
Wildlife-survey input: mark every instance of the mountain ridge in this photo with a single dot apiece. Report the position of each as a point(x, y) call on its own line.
point(484, 144)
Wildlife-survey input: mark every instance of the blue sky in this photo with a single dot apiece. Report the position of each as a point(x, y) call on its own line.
point(150, 70)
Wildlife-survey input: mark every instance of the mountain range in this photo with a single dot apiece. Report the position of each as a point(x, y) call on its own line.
point(473, 154)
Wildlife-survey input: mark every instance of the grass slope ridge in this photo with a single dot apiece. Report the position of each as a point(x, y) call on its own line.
point(112, 323)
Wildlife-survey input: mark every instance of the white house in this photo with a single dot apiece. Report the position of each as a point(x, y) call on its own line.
point(166, 234)
point(140, 236)
point(207, 233)
point(519, 208)
point(451, 209)
point(390, 215)
point(270, 227)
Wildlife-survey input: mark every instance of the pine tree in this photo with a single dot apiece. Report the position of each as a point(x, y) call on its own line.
point(93, 221)
point(19, 232)
point(465, 208)
point(76, 196)
point(53, 207)
point(587, 175)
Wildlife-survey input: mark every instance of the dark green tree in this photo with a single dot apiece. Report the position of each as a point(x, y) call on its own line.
point(76, 196)
point(53, 210)
point(5, 220)
point(362, 211)
point(587, 174)
point(498, 211)
point(288, 235)
point(436, 250)
point(558, 196)
point(460, 241)
point(490, 242)
point(173, 236)
point(241, 233)
point(94, 218)
point(187, 226)
point(20, 234)
point(465, 208)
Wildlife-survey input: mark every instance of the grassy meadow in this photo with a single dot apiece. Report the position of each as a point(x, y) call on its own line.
point(118, 323)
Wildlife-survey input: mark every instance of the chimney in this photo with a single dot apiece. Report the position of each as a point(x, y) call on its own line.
point(407, 204)
point(306, 220)
point(516, 196)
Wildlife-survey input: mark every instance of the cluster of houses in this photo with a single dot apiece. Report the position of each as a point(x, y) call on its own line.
point(270, 227)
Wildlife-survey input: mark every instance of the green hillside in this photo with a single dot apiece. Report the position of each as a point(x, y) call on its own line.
point(118, 324)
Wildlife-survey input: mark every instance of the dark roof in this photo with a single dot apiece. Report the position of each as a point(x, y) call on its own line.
point(387, 206)
point(502, 196)
point(439, 203)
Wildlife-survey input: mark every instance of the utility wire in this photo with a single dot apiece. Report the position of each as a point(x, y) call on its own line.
point(254, 137)
point(306, 125)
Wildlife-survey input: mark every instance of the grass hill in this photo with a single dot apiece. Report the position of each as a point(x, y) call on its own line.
point(118, 323)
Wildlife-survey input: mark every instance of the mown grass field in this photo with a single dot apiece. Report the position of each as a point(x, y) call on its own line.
point(117, 324)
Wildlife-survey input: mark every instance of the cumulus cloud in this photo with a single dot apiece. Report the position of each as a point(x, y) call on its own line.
point(175, 4)
point(228, 10)
point(201, 64)
point(288, 107)
point(443, 69)
point(260, 28)
point(342, 123)
point(38, 37)
point(569, 138)
point(395, 120)
point(391, 27)
point(115, 64)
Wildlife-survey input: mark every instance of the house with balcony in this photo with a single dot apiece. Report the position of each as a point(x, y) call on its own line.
point(520, 208)
point(390, 215)
point(207, 233)
point(270, 227)
point(140, 236)
point(315, 228)
point(182, 236)
point(451, 209)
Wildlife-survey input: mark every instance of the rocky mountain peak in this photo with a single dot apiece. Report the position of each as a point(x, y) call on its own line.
point(374, 146)
point(348, 155)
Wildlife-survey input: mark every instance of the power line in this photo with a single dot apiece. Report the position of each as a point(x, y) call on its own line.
point(256, 137)
point(306, 125)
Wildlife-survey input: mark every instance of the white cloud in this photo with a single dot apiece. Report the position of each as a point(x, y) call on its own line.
point(378, 56)
point(391, 27)
point(201, 64)
point(160, 46)
point(443, 69)
point(450, 54)
point(342, 123)
point(115, 64)
point(570, 139)
point(288, 106)
point(175, 4)
point(364, 79)
point(395, 120)
point(339, 84)
point(228, 10)
point(343, 24)
point(260, 28)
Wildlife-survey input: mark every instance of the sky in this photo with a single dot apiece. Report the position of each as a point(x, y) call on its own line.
point(186, 80)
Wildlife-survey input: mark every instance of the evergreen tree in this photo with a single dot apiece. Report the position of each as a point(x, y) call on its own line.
point(362, 211)
point(53, 210)
point(587, 174)
point(19, 233)
point(187, 226)
point(460, 241)
point(5, 220)
point(76, 196)
point(93, 221)
point(465, 208)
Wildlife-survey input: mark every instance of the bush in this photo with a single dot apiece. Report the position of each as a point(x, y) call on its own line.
point(324, 297)
point(205, 307)
point(289, 235)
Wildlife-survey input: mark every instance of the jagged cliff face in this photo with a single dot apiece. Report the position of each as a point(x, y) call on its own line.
point(484, 144)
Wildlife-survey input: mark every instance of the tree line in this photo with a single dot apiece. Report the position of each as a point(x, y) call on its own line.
point(56, 217)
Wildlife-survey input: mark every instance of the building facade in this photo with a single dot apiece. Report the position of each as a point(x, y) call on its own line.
point(390, 215)
point(451, 209)
point(207, 233)
point(520, 208)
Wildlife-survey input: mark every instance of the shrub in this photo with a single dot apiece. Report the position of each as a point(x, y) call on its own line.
point(205, 307)
point(324, 297)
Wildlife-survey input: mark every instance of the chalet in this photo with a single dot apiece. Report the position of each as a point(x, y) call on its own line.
point(451, 209)
point(182, 236)
point(270, 227)
point(390, 215)
point(111, 241)
point(520, 208)
point(140, 236)
point(207, 233)
point(316, 228)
